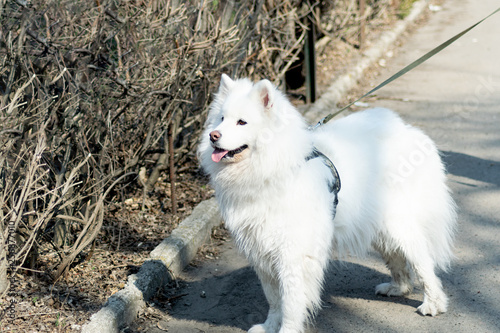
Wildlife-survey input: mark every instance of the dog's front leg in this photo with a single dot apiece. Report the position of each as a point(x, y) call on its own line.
point(272, 292)
point(293, 299)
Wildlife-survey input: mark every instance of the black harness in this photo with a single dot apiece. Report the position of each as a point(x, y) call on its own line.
point(335, 184)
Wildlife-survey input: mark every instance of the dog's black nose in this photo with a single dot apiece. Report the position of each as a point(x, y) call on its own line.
point(215, 135)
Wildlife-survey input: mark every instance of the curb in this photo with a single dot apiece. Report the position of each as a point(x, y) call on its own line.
point(166, 261)
point(170, 257)
point(341, 86)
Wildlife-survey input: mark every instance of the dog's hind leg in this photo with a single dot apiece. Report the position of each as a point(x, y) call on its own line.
point(401, 283)
point(401, 262)
point(435, 300)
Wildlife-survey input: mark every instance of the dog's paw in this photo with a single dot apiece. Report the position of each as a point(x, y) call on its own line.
point(389, 289)
point(258, 329)
point(433, 308)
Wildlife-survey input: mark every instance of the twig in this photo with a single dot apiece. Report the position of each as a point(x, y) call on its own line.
point(59, 76)
point(172, 298)
point(114, 16)
point(171, 159)
point(18, 93)
point(37, 37)
point(29, 269)
point(35, 314)
point(85, 238)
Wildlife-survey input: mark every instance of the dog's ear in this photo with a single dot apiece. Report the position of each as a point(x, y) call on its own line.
point(265, 93)
point(226, 83)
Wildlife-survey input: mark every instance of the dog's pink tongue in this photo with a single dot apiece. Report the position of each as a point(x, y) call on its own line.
point(218, 154)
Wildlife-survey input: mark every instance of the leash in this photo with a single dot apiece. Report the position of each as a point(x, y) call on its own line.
point(405, 70)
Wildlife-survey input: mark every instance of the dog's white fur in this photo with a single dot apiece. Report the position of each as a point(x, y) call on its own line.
point(280, 211)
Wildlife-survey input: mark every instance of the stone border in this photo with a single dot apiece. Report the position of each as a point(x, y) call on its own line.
point(166, 261)
point(170, 257)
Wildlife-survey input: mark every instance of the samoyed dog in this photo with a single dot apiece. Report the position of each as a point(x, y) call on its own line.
point(291, 196)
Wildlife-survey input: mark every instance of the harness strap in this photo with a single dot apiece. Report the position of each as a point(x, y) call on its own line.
point(335, 185)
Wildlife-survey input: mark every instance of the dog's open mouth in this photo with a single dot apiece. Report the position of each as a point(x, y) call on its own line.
point(220, 154)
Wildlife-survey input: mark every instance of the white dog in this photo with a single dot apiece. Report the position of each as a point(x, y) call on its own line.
point(277, 192)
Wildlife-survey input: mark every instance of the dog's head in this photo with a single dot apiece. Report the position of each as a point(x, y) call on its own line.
point(238, 119)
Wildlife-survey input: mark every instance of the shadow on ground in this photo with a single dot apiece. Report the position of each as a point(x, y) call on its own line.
point(462, 165)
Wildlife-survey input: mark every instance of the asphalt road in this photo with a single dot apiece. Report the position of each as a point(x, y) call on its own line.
point(455, 98)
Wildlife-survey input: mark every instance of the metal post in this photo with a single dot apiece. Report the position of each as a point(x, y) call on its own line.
point(310, 61)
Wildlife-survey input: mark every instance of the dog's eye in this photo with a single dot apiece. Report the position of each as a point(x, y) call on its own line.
point(241, 122)
point(222, 118)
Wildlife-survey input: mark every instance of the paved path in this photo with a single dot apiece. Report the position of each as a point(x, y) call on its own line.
point(455, 98)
